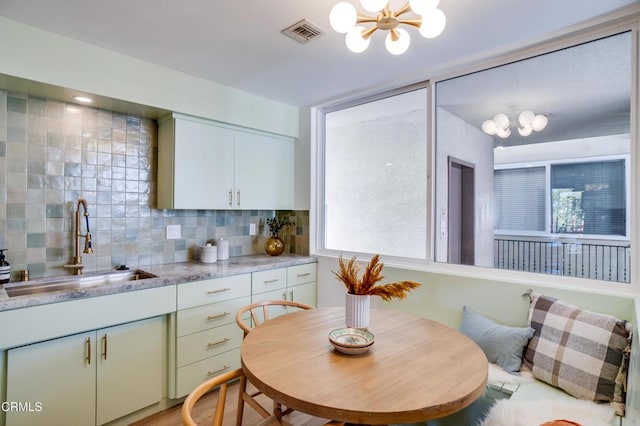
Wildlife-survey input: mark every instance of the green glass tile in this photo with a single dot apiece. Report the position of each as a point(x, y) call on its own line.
point(36, 240)
point(55, 210)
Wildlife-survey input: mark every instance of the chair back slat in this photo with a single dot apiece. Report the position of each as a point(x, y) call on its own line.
point(254, 310)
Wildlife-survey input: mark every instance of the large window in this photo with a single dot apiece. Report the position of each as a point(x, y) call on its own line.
point(589, 198)
point(375, 176)
point(581, 198)
point(529, 168)
point(548, 142)
point(520, 199)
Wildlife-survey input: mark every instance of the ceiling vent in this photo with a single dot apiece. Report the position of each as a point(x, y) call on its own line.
point(303, 31)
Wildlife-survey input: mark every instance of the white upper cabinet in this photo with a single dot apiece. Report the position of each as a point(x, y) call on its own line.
point(263, 172)
point(211, 166)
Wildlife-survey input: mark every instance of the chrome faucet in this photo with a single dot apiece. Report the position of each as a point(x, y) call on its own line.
point(76, 263)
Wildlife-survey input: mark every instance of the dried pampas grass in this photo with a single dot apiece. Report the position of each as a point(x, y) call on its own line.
point(348, 274)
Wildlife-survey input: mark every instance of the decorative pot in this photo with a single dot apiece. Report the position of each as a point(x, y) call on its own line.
point(357, 308)
point(274, 246)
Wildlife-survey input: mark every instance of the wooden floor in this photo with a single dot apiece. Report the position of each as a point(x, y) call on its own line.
point(203, 413)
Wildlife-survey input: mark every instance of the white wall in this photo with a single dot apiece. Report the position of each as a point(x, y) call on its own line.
point(562, 150)
point(441, 296)
point(34, 54)
point(459, 139)
point(302, 158)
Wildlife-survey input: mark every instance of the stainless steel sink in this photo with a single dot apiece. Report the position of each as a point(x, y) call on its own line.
point(74, 283)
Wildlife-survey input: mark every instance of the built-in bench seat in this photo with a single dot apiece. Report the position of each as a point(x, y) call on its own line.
point(446, 303)
point(526, 397)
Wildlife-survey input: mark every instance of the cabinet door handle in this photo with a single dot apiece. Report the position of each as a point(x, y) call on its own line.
point(219, 370)
point(216, 316)
point(220, 290)
point(238, 200)
point(219, 342)
point(306, 274)
point(104, 346)
point(87, 348)
point(291, 295)
point(230, 197)
point(275, 280)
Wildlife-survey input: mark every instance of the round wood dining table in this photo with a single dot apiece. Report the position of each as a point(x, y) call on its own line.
point(416, 370)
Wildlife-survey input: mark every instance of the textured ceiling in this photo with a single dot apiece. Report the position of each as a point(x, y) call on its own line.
point(585, 91)
point(238, 43)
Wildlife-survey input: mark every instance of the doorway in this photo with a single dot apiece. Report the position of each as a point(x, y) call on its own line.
point(461, 232)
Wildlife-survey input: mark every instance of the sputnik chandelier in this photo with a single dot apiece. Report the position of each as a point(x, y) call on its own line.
point(345, 19)
point(528, 122)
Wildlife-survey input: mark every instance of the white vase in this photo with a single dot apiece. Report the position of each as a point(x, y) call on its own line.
point(357, 308)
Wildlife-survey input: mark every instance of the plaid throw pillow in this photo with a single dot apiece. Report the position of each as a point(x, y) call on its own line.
point(578, 351)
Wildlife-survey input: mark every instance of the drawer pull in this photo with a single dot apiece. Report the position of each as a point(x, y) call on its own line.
point(216, 316)
point(306, 274)
point(275, 280)
point(219, 370)
point(219, 342)
point(220, 290)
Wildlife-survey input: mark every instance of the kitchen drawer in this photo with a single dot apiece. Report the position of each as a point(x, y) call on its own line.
point(270, 280)
point(301, 274)
point(209, 316)
point(208, 343)
point(190, 376)
point(199, 293)
point(275, 310)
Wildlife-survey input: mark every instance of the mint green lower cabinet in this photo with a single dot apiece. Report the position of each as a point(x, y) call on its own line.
point(58, 376)
point(87, 378)
point(294, 283)
point(129, 368)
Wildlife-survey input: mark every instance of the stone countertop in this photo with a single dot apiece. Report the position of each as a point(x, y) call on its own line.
point(167, 274)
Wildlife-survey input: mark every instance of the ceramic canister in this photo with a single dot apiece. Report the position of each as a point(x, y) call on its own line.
point(223, 248)
point(209, 253)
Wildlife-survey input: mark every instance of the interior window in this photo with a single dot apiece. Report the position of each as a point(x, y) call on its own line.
point(546, 144)
point(375, 176)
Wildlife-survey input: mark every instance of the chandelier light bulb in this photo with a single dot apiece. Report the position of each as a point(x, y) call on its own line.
point(502, 121)
point(503, 133)
point(373, 6)
point(525, 131)
point(355, 42)
point(539, 122)
point(433, 23)
point(399, 46)
point(343, 17)
point(489, 127)
point(526, 118)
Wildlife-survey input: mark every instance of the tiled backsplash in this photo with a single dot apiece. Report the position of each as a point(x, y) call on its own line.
point(53, 153)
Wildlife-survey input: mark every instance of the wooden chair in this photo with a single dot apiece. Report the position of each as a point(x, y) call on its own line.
point(260, 313)
point(222, 381)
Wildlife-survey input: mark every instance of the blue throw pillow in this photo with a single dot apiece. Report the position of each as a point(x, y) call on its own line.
point(501, 344)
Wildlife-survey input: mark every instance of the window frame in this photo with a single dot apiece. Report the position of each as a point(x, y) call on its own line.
point(318, 215)
point(547, 164)
point(571, 37)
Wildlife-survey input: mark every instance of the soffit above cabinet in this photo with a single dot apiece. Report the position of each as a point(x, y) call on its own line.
point(49, 91)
